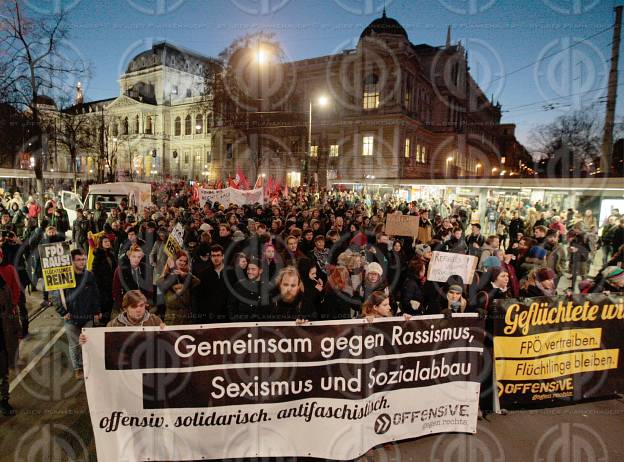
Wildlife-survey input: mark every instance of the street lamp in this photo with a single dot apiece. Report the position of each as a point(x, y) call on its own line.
point(322, 101)
point(449, 159)
point(478, 167)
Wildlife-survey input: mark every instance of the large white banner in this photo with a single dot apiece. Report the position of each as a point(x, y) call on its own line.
point(230, 196)
point(329, 389)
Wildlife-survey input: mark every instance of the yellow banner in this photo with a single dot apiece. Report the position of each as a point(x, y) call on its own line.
point(547, 343)
point(61, 277)
point(557, 366)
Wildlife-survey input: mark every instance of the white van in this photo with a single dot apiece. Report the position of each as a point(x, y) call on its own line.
point(110, 195)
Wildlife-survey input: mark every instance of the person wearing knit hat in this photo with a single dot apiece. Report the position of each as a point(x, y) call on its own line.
point(541, 283)
point(613, 278)
point(373, 281)
point(535, 259)
point(423, 251)
point(491, 262)
point(455, 301)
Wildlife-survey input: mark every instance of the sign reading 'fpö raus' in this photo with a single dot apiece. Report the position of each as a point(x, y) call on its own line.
point(329, 389)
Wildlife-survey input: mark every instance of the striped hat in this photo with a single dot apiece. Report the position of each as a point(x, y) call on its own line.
point(613, 274)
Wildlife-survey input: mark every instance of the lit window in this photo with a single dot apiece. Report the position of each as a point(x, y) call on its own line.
point(367, 145)
point(407, 148)
point(313, 151)
point(199, 124)
point(418, 153)
point(423, 155)
point(371, 92)
point(334, 150)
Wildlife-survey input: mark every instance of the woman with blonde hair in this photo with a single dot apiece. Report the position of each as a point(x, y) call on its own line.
point(176, 282)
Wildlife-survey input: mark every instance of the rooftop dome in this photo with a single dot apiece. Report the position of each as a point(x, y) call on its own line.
point(384, 25)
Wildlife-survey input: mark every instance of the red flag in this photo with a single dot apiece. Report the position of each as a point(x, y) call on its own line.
point(219, 185)
point(195, 197)
point(269, 187)
point(259, 182)
point(232, 183)
point(241, 179)
point(286, 191)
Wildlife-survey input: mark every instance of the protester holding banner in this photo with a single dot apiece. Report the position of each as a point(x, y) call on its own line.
point(454, 301)
point(290, 303)
point(377, 305)
point(176, 283)
point(79, 307)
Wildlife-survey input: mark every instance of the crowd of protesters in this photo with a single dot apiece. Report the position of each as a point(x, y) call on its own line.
point(304, 256)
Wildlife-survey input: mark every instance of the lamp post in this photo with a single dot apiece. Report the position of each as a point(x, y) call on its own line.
point(449, 159)
point(322, 101)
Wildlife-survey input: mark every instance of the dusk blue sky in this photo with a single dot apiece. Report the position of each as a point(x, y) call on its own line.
point(501, 36)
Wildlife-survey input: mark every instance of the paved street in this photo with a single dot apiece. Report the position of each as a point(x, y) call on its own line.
point(53, 422)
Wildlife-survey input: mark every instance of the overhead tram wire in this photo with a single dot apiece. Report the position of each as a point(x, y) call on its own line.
point(546, 101)
point(551, 55)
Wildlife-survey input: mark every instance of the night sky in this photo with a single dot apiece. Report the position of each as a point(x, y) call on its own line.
point(504, 39)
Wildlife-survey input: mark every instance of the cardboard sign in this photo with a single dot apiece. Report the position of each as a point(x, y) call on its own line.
point(56, 266)
point(175, 240)
point(398, 224)
point(445, 264)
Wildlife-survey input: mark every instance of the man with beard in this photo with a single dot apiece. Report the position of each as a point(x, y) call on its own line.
point(290, 304)
point(248, 300)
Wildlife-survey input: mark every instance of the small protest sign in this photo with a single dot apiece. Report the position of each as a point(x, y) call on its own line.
point(445, 264)
point(398, 224)
point(175, 240)
point(56, 266)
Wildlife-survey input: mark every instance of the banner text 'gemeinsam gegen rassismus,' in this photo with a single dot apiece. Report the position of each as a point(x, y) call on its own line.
point(558, 349)
point(330, 389)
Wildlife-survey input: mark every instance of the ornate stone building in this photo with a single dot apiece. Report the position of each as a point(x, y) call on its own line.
point(391, 110)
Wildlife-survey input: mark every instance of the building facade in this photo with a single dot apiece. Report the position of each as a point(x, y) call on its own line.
point(386, 109)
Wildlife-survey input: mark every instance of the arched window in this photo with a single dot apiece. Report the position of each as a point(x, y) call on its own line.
point(199, 124)
point(136, 124)
point(187, 125)
point(177, 126)
point(125, 126)
point(371, 92)
point(148, 125)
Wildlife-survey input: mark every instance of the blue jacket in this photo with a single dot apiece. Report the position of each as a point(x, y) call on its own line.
point(83, 301)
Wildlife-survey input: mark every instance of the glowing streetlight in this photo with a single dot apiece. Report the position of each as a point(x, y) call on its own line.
point(322, 101)
point(262, 56)
point(449, 159)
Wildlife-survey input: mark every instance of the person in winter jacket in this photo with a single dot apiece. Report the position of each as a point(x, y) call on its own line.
point(412, 290)
point(338, 298)
point(79, 307)
point(9, 343)
point(104, 266)
point(540, 283)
